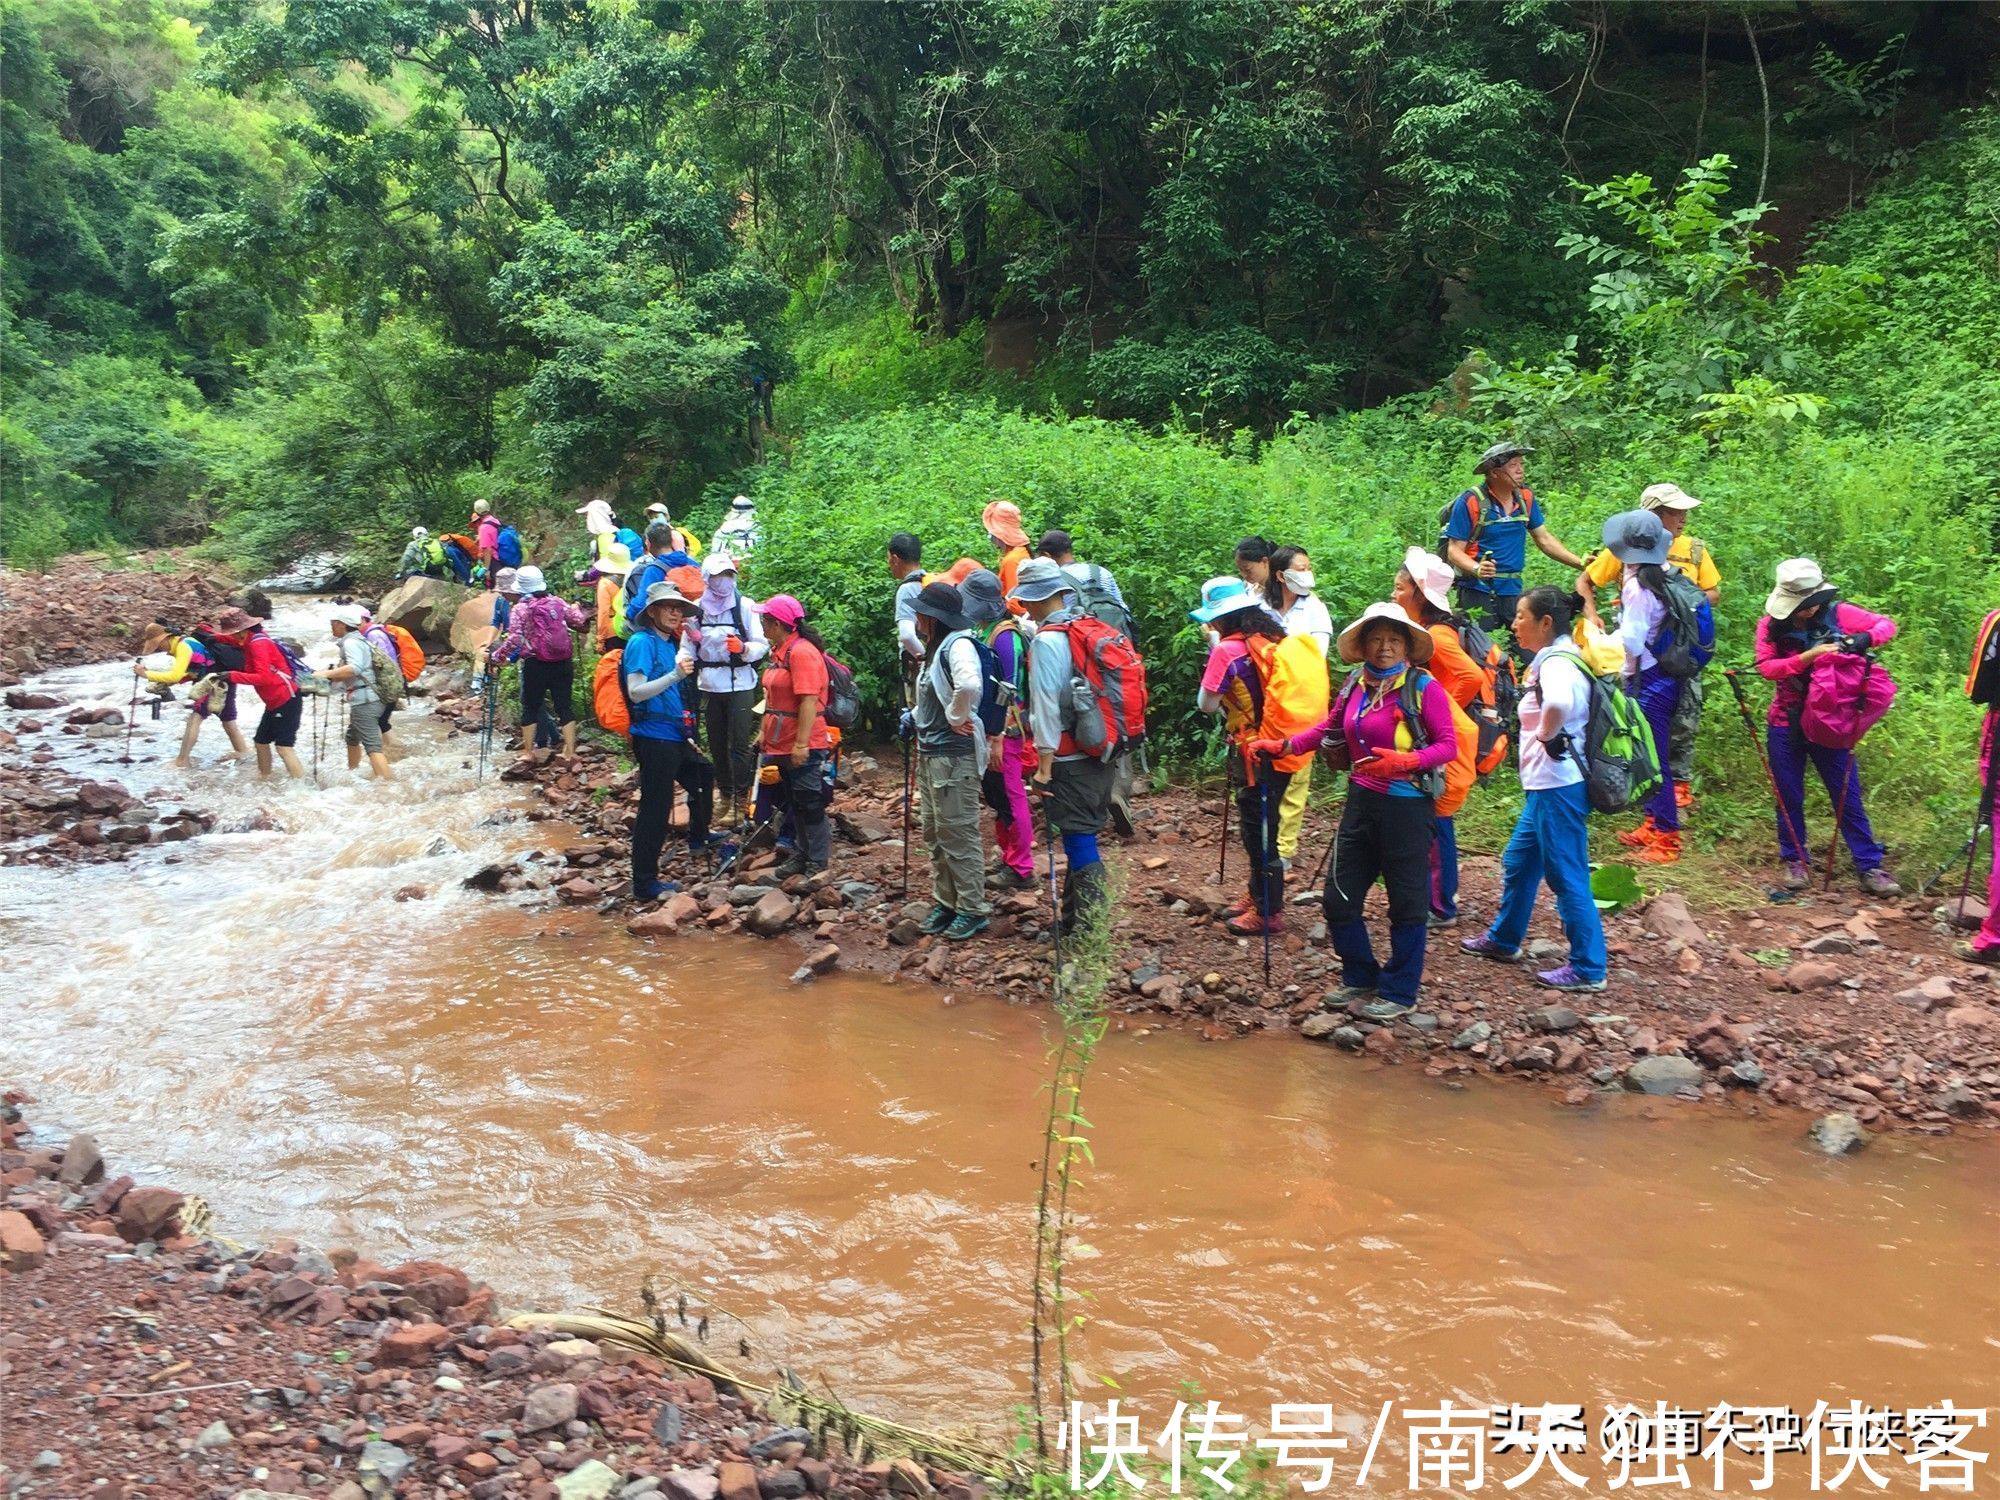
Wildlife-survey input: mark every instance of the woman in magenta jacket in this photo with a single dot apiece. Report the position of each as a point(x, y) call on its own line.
point(1803, 623)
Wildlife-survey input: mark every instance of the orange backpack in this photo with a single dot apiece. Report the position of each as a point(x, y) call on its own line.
point(607, 695)
point(409, 655)
point(1296, 690)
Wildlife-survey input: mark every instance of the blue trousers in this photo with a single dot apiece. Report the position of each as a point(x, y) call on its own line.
point(1552, 843)
point(1659, 696)
point(1790, 750)
point(1444, 868)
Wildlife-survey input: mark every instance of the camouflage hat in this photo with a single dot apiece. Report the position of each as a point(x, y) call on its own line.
point(1498, 454)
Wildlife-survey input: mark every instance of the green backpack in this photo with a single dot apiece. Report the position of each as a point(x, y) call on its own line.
point(1621, 765)
point(388, 677)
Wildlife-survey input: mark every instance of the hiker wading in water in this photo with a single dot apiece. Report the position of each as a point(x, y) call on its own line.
point(356, 669)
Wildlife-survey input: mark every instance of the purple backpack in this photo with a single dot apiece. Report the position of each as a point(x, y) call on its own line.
point(1845, 697)
point(543, 626)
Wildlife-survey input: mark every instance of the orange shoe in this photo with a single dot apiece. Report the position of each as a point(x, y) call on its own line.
point(1250, 924)
point(1684, 794)
point(1640, 837)
point(1663, 848)
point(1239, 906)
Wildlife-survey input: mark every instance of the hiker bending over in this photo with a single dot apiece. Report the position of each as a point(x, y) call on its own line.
point(1486, 532)
point(797, 740)
point(1266, 686)
point(1801, 640)
point(266, 670)
point(1394, 724)
point(1551, 840)
point(192, 662)
point(656, 662)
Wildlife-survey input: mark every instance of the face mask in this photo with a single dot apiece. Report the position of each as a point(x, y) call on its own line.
point(1298, 581)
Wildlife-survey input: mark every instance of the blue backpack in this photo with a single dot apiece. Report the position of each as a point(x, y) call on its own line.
point(460, 564)
point(294, 662)
point(508, 547)
point(992, 703)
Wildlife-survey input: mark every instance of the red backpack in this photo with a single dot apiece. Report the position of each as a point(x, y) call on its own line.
point(1105, 706)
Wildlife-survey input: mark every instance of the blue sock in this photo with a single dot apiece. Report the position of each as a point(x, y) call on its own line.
point(1080, 849)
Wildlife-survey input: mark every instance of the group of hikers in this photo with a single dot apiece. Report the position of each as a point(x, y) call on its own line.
point(1024, 689)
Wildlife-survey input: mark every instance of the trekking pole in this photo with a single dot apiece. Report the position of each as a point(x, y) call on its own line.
point(1846, 786)
point(1222, 859)
point(1269, 828)
point(1981, 814)
point(131, 718)
point(1055, 905)
point(906, 819)
point(1763, 755)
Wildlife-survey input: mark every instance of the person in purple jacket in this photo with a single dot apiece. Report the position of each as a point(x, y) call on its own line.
point(1396, 723)
point(1803, 622)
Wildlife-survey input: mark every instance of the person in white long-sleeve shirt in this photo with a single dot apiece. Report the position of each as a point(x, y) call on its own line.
point(1640, 542)
point(951, 759)
point(728, 638)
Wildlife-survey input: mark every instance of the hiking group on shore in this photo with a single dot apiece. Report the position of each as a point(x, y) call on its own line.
point(1024, 692)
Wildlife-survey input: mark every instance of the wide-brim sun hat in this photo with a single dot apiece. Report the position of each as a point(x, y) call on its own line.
point(1666, 496)
point(1420, 643)
point(1039, 579)
point(1498, 454)
point(980, 592)
point(665, 592)
point(1637, 537)
point(1431, 574)
point(1002, 519)
point(234, 621)
point(942, 602)
point(1223, 595)
point(598, 516)
point(782, 608)
point(348, 615)
point(505, 580)
point(528, 579)
point(1798, 579)
point(616, 561)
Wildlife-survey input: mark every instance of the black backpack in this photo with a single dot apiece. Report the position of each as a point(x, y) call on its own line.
point(227, 655)
point(1095, 598)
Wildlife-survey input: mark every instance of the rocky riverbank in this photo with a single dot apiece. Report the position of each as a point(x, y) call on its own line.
point(144, 1353)
point(1838, 1003)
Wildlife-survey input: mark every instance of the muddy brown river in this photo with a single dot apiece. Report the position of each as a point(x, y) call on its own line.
point(850, 1166)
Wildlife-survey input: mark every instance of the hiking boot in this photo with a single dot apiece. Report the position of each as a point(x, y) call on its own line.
point(1683, 794)
point(1385, 1011)
point(1253, 924)
point(1484, 947)
point(1879, 882)
point(1640, 837)
point(1441, 919)
point(1664, 848)
point(1349, 997)
point(1798, 875)
point(939, 918)
point(1007, 878)
point(1239, 906)
point(1972, 953)
point(963, 926)
point(1566, 978)
point(653, 890)
point(1121, 817)
point(796, 865)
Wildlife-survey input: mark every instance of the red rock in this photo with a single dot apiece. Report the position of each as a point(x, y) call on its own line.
point(22, 1247)
point(1801, 977)
point(145, 1212)
point(412, 1346)
point(479, 1465)
point(407, 1434)
point(738, 1481)
point(668, 920)
point(449, 1448)
point(412, 1274)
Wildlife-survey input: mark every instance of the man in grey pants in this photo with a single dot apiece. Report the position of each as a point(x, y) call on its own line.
point(951, 759)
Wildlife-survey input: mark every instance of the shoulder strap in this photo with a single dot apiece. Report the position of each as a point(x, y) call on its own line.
point(1695, 552)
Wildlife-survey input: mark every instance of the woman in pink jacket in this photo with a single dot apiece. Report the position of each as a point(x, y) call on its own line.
point(1804, 623)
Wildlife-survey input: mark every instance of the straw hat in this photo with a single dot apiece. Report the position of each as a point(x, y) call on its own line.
point(1421, 644)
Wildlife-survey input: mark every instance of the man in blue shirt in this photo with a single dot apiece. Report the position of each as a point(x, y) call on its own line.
point(1486, 534)
point(655, 664)
point(662, 555)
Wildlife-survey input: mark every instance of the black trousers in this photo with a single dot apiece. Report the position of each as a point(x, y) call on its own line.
point(1257, 825)
point(802, 792)
point(662, 763)
point(732, 740)
point(1381, 838)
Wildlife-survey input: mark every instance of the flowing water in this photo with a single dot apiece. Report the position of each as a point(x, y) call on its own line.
point(850, 1166)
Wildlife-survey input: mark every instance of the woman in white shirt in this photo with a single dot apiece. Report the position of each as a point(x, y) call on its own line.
point(1638, 540)
point(1289, 592)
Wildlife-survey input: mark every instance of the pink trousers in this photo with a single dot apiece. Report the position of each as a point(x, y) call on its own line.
point(1989, 932)
point(1014, 829)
